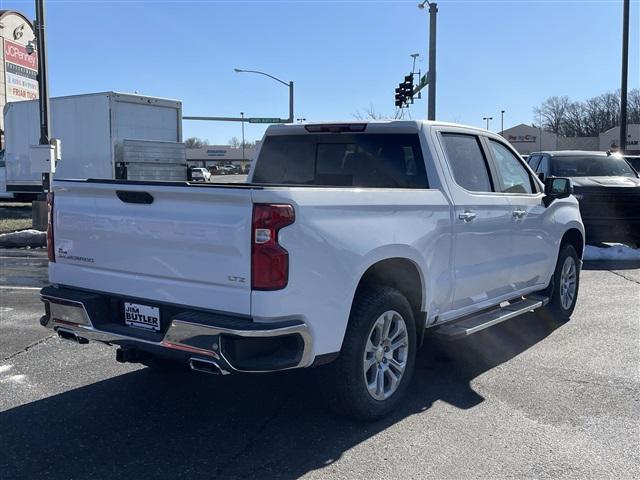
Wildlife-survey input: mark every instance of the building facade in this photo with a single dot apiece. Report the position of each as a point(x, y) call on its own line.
point(611, 139)
point(527, 139)
point(215, 155)
point(18, 66)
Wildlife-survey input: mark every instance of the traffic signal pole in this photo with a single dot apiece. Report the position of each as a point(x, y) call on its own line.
point(405, 95)
point(431, 99)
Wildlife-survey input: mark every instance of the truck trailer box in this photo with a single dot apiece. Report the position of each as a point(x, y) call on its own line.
point(100, 134)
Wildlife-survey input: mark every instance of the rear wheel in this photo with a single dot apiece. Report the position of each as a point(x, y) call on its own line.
point(376, 362)
point(563, 289)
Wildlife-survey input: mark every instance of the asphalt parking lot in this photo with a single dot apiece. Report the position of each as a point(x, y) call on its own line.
point(527, 398)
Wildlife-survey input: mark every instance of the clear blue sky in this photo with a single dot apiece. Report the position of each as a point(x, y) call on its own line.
point(342, 55)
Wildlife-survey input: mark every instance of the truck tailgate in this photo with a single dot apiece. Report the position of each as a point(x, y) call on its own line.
point(189, 246)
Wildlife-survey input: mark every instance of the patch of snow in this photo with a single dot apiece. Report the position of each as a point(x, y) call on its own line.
point(13, 379)
point(23, 238)
point(5, 368)
point(616, 251)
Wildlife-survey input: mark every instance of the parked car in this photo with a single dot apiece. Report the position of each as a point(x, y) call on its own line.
point(348, 242)
point(634, 161)
point(229, 169)
point(607, 188)
point(199, 174)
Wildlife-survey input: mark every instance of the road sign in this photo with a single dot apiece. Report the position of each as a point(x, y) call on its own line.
point(266, 120)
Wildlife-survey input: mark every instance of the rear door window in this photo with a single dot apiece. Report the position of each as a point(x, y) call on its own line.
point(343, 160)
point(467, 161)
point(514, 177)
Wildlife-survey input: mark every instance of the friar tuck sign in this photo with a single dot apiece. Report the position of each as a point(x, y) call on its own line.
point(21, 72)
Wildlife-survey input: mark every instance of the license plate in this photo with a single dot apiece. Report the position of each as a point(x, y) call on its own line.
point(142, 316)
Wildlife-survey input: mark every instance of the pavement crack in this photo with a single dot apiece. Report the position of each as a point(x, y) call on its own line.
point(624, 276)
point(28, 347)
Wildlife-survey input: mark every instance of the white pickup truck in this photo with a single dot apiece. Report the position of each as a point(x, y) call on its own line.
point(346, 244)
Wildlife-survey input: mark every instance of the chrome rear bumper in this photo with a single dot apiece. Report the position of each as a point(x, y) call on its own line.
point(71, 319)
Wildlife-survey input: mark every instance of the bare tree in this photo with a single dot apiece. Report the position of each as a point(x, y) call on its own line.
point(236, 143)
point(633, 106)
point(195, 142)
point(553, 113)
point(370, 113)
point(574, 122)
point(588, 118)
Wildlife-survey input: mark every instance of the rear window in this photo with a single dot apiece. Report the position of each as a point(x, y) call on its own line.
point(343, 160)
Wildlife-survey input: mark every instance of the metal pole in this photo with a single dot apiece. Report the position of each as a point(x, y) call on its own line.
point(431, 109)
point(623, 83)
point(290, 102)
point(502, 123)
point(243, 165)
point(43, 90)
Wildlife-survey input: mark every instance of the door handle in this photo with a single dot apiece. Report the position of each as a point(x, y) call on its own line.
point(467, 216)
point(519, 213)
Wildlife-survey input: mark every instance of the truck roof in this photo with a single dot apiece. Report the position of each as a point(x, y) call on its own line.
point(375, 125)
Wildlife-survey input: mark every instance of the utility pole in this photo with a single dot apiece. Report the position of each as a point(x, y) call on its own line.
point(43, 87)
point(487, 120)
point(623, 83)
point(431, 74)
point(502, 123)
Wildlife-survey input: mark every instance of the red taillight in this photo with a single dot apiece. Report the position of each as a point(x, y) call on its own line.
point(269, 261)
point(50, 248)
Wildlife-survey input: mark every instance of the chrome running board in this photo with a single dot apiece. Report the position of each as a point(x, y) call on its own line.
point(470, 325)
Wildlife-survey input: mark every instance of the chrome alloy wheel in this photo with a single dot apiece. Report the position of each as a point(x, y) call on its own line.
point(385, 355)
point(568, 278)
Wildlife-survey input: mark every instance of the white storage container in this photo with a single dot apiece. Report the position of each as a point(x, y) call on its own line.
point(98, 132)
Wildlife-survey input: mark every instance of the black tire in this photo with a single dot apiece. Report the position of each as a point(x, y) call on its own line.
point(556, 310)
point(343, 382)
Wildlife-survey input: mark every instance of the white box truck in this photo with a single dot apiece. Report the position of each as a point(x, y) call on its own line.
point(105, 135)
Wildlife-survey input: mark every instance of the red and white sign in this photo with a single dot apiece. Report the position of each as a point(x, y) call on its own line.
point(21, 73)
point(17, 54)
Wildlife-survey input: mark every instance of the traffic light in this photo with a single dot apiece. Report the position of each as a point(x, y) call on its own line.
point(399, 97)
point(404, 92)
point(408, 88)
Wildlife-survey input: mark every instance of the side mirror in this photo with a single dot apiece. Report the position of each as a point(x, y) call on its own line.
point(556, 188)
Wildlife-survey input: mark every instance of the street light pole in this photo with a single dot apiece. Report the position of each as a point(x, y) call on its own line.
point(243, 162)
point(431, 74)
point(487, 120)
point(623, 83)
point(289, 85)
point(43, 86)
point(502, 123)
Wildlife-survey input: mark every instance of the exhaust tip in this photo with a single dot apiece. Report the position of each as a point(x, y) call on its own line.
point(206, 366)
point(69, 335)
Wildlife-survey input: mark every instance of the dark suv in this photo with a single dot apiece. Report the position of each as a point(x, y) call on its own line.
point(607, 188)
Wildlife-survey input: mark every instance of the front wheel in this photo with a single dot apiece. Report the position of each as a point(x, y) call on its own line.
point(376, 362)
point(563, 289)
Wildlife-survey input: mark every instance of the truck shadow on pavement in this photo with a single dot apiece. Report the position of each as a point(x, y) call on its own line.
point(152, 425)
